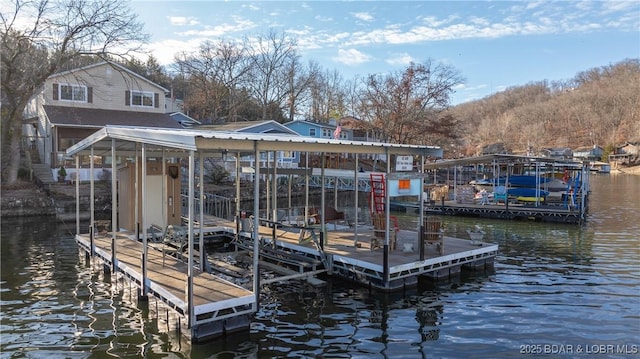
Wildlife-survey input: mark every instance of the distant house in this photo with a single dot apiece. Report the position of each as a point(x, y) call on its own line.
point(498, 148)
point(346, 128)
point(627, 154)
point(560, 153)
point(173, 105)
point(320, 130)
point(358, 128)
point(588, 153)
point(72, 105)
point(284, 159)
point(629, 148)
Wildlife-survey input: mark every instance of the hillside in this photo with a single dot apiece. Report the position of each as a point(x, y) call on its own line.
point(600, 106)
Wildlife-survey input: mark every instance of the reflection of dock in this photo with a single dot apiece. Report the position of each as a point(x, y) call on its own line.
point(219, 306)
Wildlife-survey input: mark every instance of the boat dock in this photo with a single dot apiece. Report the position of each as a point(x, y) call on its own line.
point(366, 267)
point(552, 212)
point(150, 167)
point(343, 256)
point(219, 306)
point(491, 186)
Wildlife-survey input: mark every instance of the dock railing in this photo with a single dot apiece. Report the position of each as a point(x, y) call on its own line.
point(213, 204)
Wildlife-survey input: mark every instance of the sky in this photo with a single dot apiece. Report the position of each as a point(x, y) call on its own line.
point(494, 45)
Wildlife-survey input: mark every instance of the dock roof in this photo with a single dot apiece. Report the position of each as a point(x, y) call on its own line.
point(183, 140)
point(499, 159)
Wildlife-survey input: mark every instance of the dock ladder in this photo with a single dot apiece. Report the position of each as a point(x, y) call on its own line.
point(378, 193)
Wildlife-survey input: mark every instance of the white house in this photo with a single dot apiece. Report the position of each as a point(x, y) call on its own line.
point(73, 104)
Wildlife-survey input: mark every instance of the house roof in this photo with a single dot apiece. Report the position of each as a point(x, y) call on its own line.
point(184, 120)
point(112, 64)
point(97, 118)
point(269, 126)
point(587, 149)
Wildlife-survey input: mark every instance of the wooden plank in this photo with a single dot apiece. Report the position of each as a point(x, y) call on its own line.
point(171, 274)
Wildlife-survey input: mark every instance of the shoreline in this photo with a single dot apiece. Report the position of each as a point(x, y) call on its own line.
point(635, 170)
point(25, 199)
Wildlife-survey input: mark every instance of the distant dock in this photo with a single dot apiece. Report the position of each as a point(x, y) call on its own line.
point(511, 211)
point(561, 189)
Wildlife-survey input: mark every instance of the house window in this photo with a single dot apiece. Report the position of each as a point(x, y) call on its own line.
point(326, 132)
point(140, 98)
point(76, 93)
point(312, 132)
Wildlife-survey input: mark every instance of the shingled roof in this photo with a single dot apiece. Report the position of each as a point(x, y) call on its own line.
point(97, 118)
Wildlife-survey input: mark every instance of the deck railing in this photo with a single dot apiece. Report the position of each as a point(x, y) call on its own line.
point(213, 204)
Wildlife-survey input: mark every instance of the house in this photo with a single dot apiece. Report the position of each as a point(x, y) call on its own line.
point(173, 105)
point(560, 153)
point(73, 104)
point(347, 128)
point(320, 130)
point(588, 153)
point(284, 159)
point(359, 129)
point(627, 154)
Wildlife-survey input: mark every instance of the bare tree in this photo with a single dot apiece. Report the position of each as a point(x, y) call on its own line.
point(270, 56)
point(215, 73)
point(299, 80)
point(328, 97)
point(39, 38)
point(402, 105)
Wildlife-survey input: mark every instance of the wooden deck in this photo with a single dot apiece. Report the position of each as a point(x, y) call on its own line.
point(218, 305)
point(354, 260)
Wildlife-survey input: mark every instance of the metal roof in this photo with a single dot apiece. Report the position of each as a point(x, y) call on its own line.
point(499, 159)
point(178, 141)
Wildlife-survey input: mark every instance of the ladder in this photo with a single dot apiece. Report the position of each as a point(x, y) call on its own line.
point(378, 193)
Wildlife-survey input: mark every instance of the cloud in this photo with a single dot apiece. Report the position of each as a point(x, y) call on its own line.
point(351, 57)
point(182, 20)
point(364, 16)
point(400, 59)
point(251, 6)
point(239, 25)
point(323, 18)
point(165, 50)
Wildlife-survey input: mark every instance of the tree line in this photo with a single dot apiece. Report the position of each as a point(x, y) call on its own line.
point(597, 107)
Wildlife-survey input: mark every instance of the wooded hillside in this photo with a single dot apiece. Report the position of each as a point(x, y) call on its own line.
point(600, 106)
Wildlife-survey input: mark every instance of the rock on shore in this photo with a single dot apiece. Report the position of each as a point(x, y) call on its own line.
point(25, 199)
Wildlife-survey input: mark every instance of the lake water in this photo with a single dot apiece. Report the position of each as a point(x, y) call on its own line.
point(557, 290)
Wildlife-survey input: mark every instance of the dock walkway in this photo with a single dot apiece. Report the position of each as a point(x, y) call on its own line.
point(219, 306)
